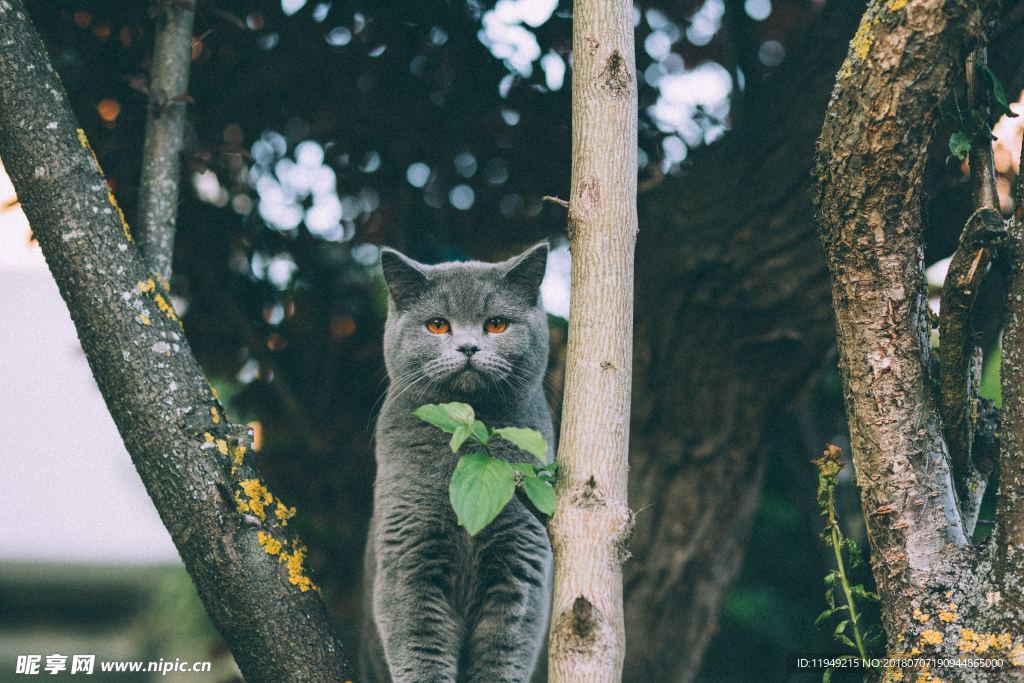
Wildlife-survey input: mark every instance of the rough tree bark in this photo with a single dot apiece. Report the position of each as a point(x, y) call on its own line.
point(590, 527)
point(165, 126)
point(230, 530)
point(941, 597)
point(733, 323)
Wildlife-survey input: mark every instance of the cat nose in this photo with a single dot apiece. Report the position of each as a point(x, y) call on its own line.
point(469, 349)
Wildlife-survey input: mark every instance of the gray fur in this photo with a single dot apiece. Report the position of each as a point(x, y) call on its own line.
point(442, 606)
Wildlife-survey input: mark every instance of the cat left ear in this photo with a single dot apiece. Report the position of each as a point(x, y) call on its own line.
point(526, 271)
point(404, 277)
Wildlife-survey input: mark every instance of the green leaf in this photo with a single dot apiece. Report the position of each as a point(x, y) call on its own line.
point(844, 640)
point(841, 626)
point(459, 436)
point(529, 440)
point(445, 416)
point(541, 494)
point(998, 93)
point(859, 591)
point(959, 144)
point(826, 677)
point(480, 432)
point(481, 487)
point(828, 613)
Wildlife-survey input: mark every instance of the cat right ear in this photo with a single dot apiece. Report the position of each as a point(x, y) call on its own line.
point(404, 277)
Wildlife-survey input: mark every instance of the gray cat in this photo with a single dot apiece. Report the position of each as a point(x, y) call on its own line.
point(442, 606)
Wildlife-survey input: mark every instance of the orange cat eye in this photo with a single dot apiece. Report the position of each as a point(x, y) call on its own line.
point(438, 326)
point(495, 325)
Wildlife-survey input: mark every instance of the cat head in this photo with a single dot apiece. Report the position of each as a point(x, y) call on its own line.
point(465, 331)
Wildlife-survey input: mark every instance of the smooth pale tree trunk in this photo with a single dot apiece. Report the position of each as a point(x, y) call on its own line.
point(591, 525)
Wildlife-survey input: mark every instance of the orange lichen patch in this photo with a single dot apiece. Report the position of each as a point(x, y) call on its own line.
point(891, 675)
point(949, 614)
point(166, 308)
point(163, 283)
point(284, 513)
point(147, 286)
point(259, 498)
point(124, 223)
point(222, 447)
point(269, 543)
point(925, 675)
point(896, 5)
point(296, 572)
point(208, 437)
point(931, 637)
point(980, 643)
point(144, 319)
point(921, 616)
point(237, 455)
point(215, 415)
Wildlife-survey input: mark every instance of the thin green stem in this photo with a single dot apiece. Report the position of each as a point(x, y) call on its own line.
point(837, 546)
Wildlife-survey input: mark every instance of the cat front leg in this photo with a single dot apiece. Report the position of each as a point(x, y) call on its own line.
point(511, 617)
point(419, 630)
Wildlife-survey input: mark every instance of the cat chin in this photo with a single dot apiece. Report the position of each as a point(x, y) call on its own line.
point(469, 381)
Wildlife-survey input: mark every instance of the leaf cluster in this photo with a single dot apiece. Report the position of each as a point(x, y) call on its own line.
point(975, 126)
point(482, 485)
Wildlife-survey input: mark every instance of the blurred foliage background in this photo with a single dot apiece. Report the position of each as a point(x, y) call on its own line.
point(321, 130)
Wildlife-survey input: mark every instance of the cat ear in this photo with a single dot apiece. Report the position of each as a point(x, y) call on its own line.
point(526, 271)
point(404, 277)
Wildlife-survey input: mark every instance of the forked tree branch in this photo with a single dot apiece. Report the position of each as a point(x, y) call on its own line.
point(870, 164)
point(229, 529)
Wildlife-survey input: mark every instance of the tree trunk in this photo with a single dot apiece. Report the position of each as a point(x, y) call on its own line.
point(231, 532)
point(590, 527)
point(939, 595)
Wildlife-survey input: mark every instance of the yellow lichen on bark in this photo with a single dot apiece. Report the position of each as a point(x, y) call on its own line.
point(120, 214)
point(269, 543)
point(259, 497)
point(83, 140)
point(296, 571)
point(283, 513)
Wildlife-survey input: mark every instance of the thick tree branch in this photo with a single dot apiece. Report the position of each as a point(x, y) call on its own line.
point(870, 167)
point(959, 357)
point(165, 126)
point(231, 532)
